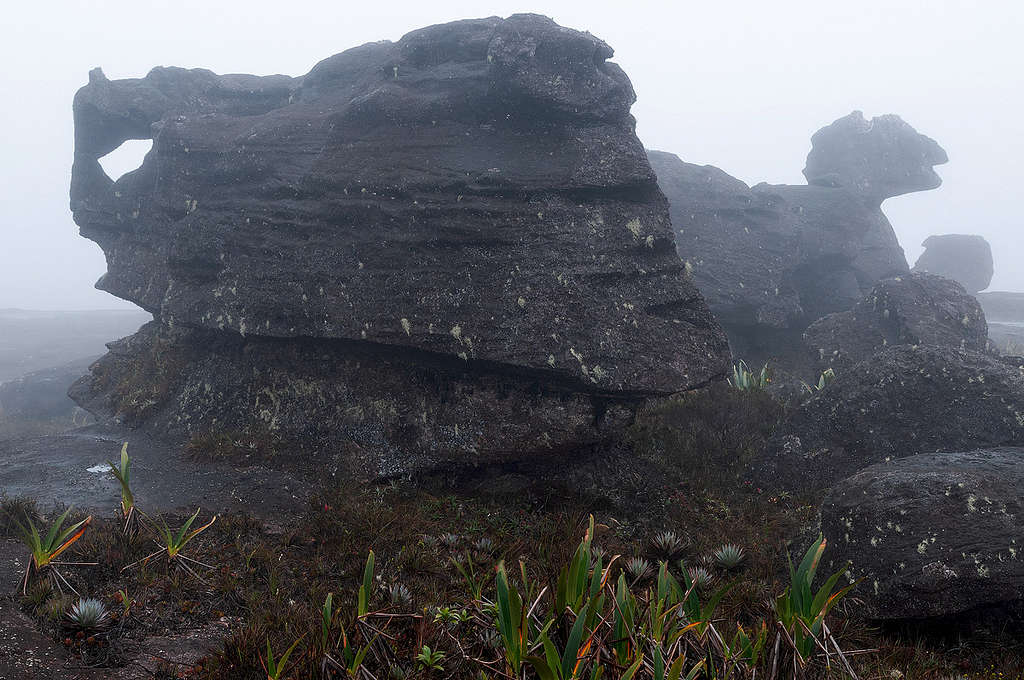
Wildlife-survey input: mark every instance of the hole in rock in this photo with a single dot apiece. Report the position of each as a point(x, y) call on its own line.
point(125, 158)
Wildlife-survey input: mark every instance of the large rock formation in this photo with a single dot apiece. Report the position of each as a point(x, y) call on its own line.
point(931, 535)
point(902, 401)
point(967, 259)
point(447, 247)
point(916, 309)
point(773, 259)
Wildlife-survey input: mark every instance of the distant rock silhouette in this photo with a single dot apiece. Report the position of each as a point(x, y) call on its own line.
point(412, 236)
point(964, 258)
point(915, 309)
point(878, 158)
point(772, 259)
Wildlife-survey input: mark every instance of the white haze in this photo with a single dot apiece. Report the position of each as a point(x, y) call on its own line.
point(739, 85)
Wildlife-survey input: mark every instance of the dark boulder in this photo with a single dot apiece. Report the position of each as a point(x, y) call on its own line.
point(472, 197)
point(772, 259)
point(915, 309)
point(966, 259)
point(932, 535)
point(902, 401)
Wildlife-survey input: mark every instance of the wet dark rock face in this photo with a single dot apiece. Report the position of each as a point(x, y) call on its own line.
point(931, 535)
point(901, 401)
point(915, 309)
point(471, 198)
point(967, 259)
point(771, 259)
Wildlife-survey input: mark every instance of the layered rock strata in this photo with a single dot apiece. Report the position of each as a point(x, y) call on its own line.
point(449, 247)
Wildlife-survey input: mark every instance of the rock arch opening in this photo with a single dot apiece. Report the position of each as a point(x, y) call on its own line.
point(125, 158)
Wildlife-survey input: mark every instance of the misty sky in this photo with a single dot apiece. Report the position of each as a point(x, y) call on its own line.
point(739, 85)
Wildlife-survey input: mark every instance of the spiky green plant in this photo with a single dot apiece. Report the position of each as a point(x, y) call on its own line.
point(366, 589)
point(88, 615)
point(275, 668)
point(430, 659)
point(400, 595)
point(745, 379)
point(122, 473)
point(638, 569)
point(512, 618)
point(700, 577)
point(44, 550)
point(668, 545)
point(474, 581)
point(826, 378)
point(175, 542)
point(801, 611)
point(484, 546)
point(730, 556)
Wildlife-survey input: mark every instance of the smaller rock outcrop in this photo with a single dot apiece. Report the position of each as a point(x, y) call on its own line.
point(902, 401)
point(965, 258)
point(879, 158)
point(917, 309)
point(772, 259)
point(933, 534)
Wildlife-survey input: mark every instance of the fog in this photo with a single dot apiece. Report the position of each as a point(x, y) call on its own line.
point(738, 85)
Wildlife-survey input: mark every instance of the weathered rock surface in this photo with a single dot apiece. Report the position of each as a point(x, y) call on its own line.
point(902, 401)
point(915, 309)
point(932, 535)
point(471, 198)
point(772, 259)
point(967, 259)
point(390, 412)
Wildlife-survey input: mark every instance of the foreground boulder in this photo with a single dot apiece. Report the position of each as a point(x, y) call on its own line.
point(967, 259)
point(773, 259)
point(457, 224)
point(932, 535)
point(916, 309)
point(904, 400)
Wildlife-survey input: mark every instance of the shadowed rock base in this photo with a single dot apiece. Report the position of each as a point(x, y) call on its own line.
point(389, 413)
